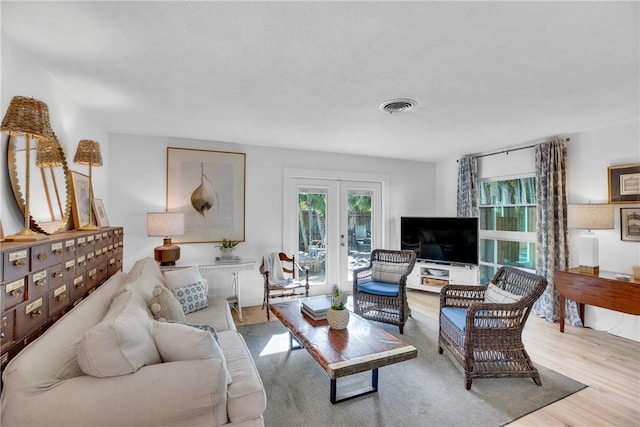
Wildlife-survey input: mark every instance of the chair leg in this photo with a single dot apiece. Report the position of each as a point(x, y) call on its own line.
point(267, 305)
point(401, 329)
point(537, 381)
point(468, 383)
point(440, 350)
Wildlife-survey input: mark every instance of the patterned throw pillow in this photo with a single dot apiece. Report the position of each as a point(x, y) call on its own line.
point(498, 295)
point(192, 297)
point(389, 272)
point(207, 328)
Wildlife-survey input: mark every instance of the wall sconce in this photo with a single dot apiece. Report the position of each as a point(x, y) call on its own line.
point(166, 224)
point(592, 216)
point(88, 153)
point(28, 117)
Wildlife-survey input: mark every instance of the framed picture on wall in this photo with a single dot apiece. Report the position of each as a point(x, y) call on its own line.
point(81, 190)
point(630, 224)
point(209, 188)
point(624, 184)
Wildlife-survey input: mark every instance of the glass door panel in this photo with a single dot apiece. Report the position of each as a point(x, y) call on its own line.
point(312, 231)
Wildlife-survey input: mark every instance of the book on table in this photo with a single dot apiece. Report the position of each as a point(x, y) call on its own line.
point(316, 307)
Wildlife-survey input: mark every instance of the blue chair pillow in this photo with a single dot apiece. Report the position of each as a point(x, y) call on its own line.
point(458, 316)
point(379, 288)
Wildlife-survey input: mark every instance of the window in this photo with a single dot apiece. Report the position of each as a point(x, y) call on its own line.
point(507, 214)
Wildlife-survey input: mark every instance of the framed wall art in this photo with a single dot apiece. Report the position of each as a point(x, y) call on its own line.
point(208, 187)
point(100, 213)
point(630, 224)
point(624, 184)
point(81, 189)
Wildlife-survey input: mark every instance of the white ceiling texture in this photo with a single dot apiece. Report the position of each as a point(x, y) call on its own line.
point(311, 75)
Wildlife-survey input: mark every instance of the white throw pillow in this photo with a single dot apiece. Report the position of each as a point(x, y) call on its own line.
point(122, 342)
point(144, 276)
point(498, 295)
point(182, 277)
point(176, 341)
point(389, 272)
point(165, 306)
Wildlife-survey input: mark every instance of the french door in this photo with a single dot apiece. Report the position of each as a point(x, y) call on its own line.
point(332, 224)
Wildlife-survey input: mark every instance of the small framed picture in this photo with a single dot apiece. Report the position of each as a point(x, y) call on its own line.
point(81, 190)
point(624, 184)
point(630, 224)
point(100, 213)
point(1, 233)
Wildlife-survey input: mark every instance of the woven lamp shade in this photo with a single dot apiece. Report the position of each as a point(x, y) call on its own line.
point(48, 153)
point(164, 224)
point(592, 216)
point(88, 153)
point(27, 116)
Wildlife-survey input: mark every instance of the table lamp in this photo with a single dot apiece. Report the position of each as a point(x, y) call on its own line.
point(592, 216)
point(88, 153)
point(166, 224)
point(28, 117)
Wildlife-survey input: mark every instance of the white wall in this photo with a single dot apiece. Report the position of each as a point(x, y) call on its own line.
point(589, 154)
point(22, 76)
point(137, 185)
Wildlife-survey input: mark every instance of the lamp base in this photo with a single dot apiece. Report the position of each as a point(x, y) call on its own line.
point(589, 269)
point(26, 236)
point(167, 254)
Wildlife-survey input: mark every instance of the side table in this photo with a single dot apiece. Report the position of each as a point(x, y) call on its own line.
point(233, 267)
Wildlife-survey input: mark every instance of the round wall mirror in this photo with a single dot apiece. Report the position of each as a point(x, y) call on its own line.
point(49, 198)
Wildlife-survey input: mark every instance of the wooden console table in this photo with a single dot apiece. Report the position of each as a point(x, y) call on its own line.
point(600, 290)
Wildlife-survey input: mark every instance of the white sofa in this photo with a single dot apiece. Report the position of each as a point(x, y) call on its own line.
point(45, 386)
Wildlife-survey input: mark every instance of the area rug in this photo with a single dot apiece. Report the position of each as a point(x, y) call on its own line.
point(427, 391)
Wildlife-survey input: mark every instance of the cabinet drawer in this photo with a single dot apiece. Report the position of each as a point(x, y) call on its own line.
point(15, 264)
point(81, 264)
point(58, 300)
point(91, 277)
point(7, 323)
point(13, 293)
point(69, 249)
point(103, 271)
point(37, 284)
point(77, 288)
point(30, 315)
point(69, 271)
point(56, 275)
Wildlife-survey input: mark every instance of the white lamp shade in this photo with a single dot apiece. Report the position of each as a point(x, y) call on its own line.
point(165, 224)
point(592, 216)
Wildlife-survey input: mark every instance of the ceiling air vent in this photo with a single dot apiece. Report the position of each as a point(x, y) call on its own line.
point(398, 105)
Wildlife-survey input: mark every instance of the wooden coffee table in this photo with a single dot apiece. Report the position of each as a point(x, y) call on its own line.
point(360, 347)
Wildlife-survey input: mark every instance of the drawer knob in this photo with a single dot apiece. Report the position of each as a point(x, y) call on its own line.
point(42, 256)
point(1, 335)
point(71, 248)
point(40, 282)
point(71, 268)
point(57, 275)
point(79, 285)
point(18, 263)
point(16, 292)
point(35, 313)
point(82, 263)
point(57, 251)
point(62, 297)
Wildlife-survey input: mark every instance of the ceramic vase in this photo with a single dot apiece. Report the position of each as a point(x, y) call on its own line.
point(338, 319)
point(226, 253)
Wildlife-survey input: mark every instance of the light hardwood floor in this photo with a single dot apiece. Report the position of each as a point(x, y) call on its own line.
point(607, 364)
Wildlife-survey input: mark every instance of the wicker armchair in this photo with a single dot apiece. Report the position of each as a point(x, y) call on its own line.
point(484, 339)
point(379, 290)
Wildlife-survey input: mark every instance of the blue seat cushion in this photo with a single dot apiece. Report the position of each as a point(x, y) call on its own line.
point(379, 288)
point(458, 316)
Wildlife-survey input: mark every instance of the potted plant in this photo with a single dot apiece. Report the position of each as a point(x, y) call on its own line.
point(338, 315)
point(227, 248)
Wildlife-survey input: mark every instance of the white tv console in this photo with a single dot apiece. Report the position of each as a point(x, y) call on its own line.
point(431, 277)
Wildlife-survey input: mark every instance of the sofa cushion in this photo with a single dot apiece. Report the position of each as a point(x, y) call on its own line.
point(182, 277)
point(246, 396)
point(458, 316)
point(143, 278)
point(122, 342)
point(388, 271)
point(496, 294)
point(165, 306)
point(379, 288)
point(177, 341)
point(216, 314)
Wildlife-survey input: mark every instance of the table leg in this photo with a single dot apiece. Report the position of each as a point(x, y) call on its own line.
point(562, 302)
point(236, 293)
point(373, 389)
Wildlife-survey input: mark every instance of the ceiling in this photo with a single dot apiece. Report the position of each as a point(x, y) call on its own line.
point(311, 75)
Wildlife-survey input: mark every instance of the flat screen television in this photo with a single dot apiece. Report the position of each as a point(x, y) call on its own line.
point(441, 239)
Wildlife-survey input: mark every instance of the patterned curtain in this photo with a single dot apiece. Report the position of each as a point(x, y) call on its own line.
point(552, 249)
point(468, 187)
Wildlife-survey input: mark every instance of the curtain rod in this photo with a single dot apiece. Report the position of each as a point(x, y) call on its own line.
point(509, 150)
